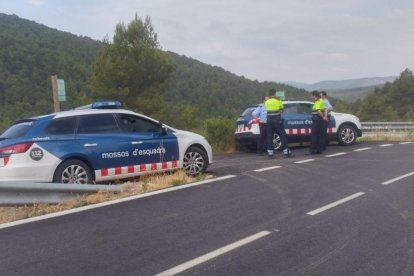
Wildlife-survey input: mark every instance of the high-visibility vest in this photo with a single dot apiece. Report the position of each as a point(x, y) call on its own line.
point(274, 108)
point(318, 105)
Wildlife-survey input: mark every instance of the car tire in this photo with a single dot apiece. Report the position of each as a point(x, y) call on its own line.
point(73, 171)
point(195, 161)
point(347, 135)
point(277, 143)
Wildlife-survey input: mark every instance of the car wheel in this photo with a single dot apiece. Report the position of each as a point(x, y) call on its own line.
point(347, 135)
point(277, 143)
point(73, 172)
point(195, 161)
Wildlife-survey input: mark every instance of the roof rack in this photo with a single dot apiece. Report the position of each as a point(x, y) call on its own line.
point(101, 105)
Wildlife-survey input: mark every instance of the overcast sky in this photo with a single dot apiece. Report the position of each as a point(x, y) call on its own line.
point(273, 40)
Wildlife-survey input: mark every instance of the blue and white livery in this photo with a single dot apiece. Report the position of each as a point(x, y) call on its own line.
point(97, 143)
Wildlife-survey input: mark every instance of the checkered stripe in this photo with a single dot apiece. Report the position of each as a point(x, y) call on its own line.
point(4, 161)
point(304, 131)
point(143, 168)
point(243, 129)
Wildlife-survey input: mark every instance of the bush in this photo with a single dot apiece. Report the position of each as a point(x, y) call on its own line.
point(220, 134)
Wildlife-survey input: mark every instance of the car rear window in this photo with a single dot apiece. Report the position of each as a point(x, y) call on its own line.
point(97, 123)
point(61, 126)
point(248, 111)
point(18, 129)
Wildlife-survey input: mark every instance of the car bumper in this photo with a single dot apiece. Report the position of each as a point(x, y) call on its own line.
point(246, 138)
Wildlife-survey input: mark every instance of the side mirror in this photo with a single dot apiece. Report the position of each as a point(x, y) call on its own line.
point(163, 130)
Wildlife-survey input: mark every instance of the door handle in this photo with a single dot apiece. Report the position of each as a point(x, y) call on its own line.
point(90, 145)
point(136, 142)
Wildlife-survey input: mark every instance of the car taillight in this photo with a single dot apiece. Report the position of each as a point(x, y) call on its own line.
point(19, 148)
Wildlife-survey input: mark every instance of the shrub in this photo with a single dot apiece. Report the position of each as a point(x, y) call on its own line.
point(220, 133)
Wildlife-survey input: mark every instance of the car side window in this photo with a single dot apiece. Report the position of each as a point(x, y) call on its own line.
point(97, 123)
point(290, 109)
point(306, 108)
point(64, 125)
point(132, 123)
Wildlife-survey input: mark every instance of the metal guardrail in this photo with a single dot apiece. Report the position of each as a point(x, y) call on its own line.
point(20, 193)
point(387, 127)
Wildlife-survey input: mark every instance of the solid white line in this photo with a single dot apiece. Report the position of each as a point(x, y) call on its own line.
point(304, 161)
point(213, 254)
point(362, 149)
point(333, 204)
point(386, 145)
point(405, 143)
point(336, 154)
point(397, 178)
point(112, 202)
point(267, 169)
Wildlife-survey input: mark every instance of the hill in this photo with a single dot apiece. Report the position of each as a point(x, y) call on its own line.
point(31, 52)
point(344, 85)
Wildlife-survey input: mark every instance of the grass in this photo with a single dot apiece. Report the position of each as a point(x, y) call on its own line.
point(397, 136)
point(130, 188)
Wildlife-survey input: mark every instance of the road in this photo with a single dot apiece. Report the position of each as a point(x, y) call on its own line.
point(348, 211)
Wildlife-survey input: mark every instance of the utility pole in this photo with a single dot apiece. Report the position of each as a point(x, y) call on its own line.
point(56, 104)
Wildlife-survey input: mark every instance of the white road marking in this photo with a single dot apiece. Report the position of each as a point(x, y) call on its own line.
point(304, 161)
point(405, 143)
point(93, 206)
point(362, 149)
point(267, 169)
point(386, 145)
point(213, 254)
point(334, 204)
point(336, 154)
point(397, 178)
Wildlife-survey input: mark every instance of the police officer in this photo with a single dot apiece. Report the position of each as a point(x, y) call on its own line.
point(319, 116)
point(274, 108)
point(260, 113)
point(329, 108)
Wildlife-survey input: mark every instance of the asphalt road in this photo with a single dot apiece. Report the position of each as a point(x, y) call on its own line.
point(348, 211)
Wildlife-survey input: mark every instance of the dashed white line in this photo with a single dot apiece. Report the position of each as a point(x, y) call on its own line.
point(385, 145)
point(213, 254)
point(362, 149)
point(334, 204)
point(397, 178)
point(267, 169)
point(304, 161)
point(336, 154)
point(405, 143)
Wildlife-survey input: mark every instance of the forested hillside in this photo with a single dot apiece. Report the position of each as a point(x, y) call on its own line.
point(31, 52)
point(393, 102)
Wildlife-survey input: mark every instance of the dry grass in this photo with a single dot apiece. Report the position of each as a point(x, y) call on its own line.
point(398, 136)
point(145, 184)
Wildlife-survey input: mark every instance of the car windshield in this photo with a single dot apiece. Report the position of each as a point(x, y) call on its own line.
point(18, 129)
point(248, 111)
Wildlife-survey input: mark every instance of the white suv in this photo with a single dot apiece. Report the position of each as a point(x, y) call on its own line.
point(297, 115)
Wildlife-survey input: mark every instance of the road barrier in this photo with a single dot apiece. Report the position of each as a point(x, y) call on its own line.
point(21, 193)
point(386, 127)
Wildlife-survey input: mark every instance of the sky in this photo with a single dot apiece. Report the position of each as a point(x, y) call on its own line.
point(265, 40)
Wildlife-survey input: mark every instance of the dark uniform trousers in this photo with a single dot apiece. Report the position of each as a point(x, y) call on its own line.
point(261, 142)
point(317, 134)
point(275, 126)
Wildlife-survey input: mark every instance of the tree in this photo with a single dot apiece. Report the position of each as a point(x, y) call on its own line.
point(133, 69)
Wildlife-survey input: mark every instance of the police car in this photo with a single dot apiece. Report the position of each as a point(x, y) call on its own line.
point(343, 128)
point(96, 143)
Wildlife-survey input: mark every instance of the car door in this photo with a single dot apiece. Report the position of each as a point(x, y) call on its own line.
point(298, 119)
point(104, 145)
point(153, 147)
